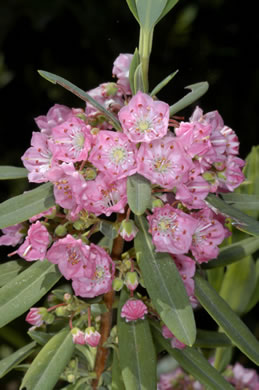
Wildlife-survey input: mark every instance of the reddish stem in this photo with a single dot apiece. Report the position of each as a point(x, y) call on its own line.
point(54, 307)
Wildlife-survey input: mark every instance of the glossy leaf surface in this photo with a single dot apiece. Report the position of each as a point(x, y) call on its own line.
point(9, 173)
point(138, 193)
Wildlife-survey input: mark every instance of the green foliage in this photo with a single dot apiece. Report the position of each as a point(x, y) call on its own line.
point(10, 269)
point(138, 193)
point(197, 90)
point(12, 361)
point(10, 173)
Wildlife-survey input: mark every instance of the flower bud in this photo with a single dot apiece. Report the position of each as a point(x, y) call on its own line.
point(92, 337)
point(133, 310)
point(157, 203)
point(128, 230)
point(78, 336)
point(61, 311)
point(131, 280)
point(71, 378)
point(35, 316)
point(117, 284)
point(61, 231)
point(67, 297)
point(49, 318)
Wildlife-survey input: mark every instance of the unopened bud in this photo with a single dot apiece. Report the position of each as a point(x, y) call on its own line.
point(128, 230)
point(131, 280)
point(61, 311)
point(117, 284)
point(71, 378)
point(157, 203)
point(92, 337)
point(111, 89)
point(49, 318)
point(67, 297)
point(61, 230)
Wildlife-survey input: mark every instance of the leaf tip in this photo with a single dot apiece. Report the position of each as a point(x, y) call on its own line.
point(46, 75)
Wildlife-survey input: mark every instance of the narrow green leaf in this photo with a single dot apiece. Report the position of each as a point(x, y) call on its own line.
point(10, 362)
point(163, 83)
point(26, 289)
point(10, 269)
point(40, 337)
point(197, 90)
point(133, 8)
point(53, 78)
point(215, 277)
point(133, 66)
point(193, 362)
point(230, 323)
point(136, 352)
point(242, 201)
point(211, 339)
point(255, 296)
point(24, 206)
point(108, 229)
point(149, 12)
point(234, 252)
point(238, 284)
point(138, 193)
point(138, 79)
point(46, 368)
point(170, 4)
point(9, 173)
point(117, 381)
point(165, 286)
point(241, 221)
point(223, 357)
point(106, 243)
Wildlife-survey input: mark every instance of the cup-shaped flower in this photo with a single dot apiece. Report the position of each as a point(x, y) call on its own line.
point(133, 310)
point(35, 316)
point(128, 230)
point(144, 119)
point(92, 337)
point(78, 336)
point(36, 243)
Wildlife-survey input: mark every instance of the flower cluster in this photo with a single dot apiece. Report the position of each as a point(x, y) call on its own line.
point(88, 163)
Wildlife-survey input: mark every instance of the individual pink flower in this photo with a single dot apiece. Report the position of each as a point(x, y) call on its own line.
point(101, 196)
point(38, 158)
point(175, 343)
point(193, 192)
point(74, 258)
point(114, 155)
point(55, 116)
point(164, 162)
point(92, 337)
point(178, 379)
point(186, 267)
point(171, 229)
point(78, 336)
point(48, 213)
point(101, 280)
point(243, 378)
point(232, 176)
point(128, 230)
point(34, 317)
point(36, 243)
point(133, 310)
point(120, 69)
point(232, 142)
point(144, 119)
point(208, 234)
point(12, 235)
point(71, 140)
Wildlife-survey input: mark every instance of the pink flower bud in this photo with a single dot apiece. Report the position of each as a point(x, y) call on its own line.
point(128, 230)
point(78, 336)
point(133, 309)
point(35, 316)
point(92, 337)
point(131, 280)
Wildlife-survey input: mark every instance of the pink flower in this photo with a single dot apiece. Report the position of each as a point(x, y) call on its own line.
point(232, 176)
point(128, 230)
point(101, 280)
point(114, 155)
point(144, 119)
point(38, 158)
point(36, 243)
point(164, 162)
point(193, 192)
point(55, 116)
point(186, 267)
point(92, 337)
point(244, 378)
point(171, 229)
point(34, 317)
point(48, 213)
point(71, 140)
point(78, 336)
point(208, 234)
point(133, 310)
point(74, 258)
point(120, 69)
point(175, 343)
point(12, 235)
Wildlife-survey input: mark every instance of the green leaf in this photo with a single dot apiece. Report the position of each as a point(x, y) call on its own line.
point(106, 243)
point(26, 289)
point(197, 90)
point(165, 286)
point(234, 252)
point(11, 361)
point(149, 12)
point(230, 323)
point(242, 201)
point(9, 173)
point(133, 8)
point(211, 339)
point(108, 229)
point(138, 193)
point(46, 368)
point(238, 284)
point(138, 79)
point(163, 83)
point(10, 269)
point(241, 221)
point(24, 206)
point(170, 4)
point(193, 362)
point(136, 352)
point(53, 78)
point(133, 66)
point(117, 381)
point(255, 296)
point(40, 337)
point(215, 277)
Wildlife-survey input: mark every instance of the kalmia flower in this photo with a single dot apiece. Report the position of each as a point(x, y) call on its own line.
point(12, 235)
point(34, 317)
point(131, 280)
point(133, 310)
point(175, 343)
point(55, 116)
point(36, 243)
point(120, 69)
point(78, 336)
point(128, 230)
point(144, 119)
point(171, 229)
point(92, 337)
point(186, 267)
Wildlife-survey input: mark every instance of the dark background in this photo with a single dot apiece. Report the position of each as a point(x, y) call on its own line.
point(213, 40)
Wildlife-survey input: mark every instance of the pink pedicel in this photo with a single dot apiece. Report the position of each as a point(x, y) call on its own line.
point(133, 310)
point(144, 119)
